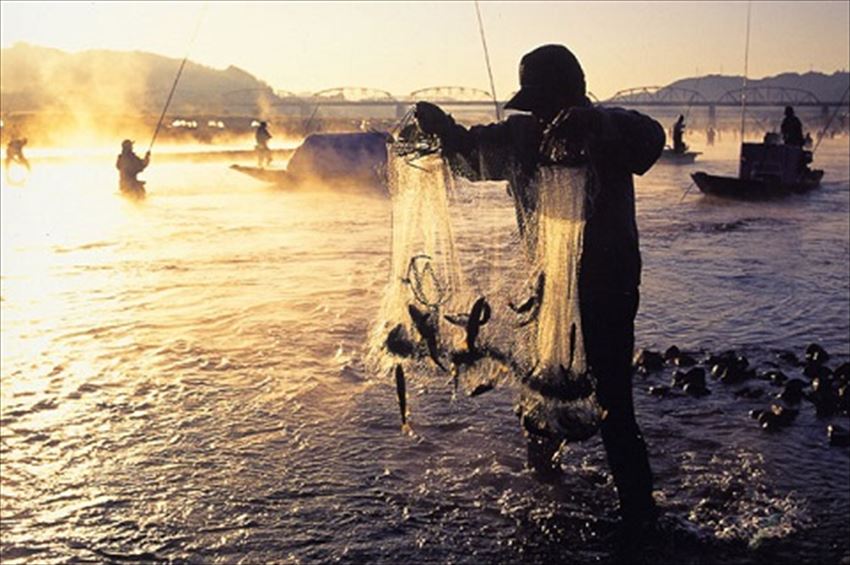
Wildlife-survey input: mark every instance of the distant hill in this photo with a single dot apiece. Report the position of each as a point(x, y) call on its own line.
point(827, 88)
point(36, 78)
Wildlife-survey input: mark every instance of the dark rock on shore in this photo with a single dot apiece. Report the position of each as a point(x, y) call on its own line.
point(671, 353)
point(789, 357)
point(777, 417)
point(816, 354)
point(649, 360)
point(793, 391)
point(838, 436)
point(775, 376)
point(814, 370)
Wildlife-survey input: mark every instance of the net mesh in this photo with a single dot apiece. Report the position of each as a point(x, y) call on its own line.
point(479, 309)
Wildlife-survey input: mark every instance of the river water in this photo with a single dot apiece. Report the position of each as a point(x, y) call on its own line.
point(185, 379)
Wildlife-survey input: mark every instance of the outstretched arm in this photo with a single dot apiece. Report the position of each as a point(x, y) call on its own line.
point(489, 152)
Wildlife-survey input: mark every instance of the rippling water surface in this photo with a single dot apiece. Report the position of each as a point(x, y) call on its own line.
point(184, 378)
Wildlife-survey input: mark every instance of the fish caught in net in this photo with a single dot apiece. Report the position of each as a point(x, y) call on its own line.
point(558, 397)
point(435, 319)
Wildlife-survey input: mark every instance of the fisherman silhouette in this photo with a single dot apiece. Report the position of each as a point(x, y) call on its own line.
point(15, 153)
point(618, 143)
point(792, 129)
point(678, 132)
point(129, 165)
point(262, 136)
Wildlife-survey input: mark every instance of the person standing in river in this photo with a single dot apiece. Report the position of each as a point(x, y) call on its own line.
point(618, 144)
point(129, 165)
point(15, 153)
point(262, 137)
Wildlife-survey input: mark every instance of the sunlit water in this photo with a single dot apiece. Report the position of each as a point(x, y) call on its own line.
point(184, 378)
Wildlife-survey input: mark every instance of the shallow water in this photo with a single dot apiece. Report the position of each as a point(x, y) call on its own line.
point(185, 378)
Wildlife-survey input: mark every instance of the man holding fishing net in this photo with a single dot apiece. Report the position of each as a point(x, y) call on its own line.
point(565, 130)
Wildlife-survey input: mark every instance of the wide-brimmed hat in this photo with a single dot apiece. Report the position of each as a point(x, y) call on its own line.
point(548, 72)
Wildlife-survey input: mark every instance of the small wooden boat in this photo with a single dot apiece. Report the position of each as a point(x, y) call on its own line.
point(339, 161)
point(679, 157)
point(767, 170)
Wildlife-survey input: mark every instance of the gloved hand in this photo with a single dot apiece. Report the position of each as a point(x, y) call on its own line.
point(432, 119)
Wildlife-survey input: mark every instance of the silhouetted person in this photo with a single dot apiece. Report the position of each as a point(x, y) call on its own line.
point(618, 144)
point(709, 135)
point(678, 133)
point(264, 154)
point(15, 153)
point(129, 165)
point(792, 129)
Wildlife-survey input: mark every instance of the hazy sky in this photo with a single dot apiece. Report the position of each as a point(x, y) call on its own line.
point(403, 46)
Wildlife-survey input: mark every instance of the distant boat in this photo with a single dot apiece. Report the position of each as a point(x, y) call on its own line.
point(767, 170)
point(679, 157)
point(338, 161)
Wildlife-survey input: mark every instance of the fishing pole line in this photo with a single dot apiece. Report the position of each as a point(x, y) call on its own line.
point(486, 279)
point(746, 72)
point(179, 72)
point(822, 133)
point(487, 61)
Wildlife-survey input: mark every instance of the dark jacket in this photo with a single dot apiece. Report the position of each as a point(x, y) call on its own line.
point(130, 165)
point(629, 143)
point(792, 131)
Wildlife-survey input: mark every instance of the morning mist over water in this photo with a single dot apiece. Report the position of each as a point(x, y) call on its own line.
point(202, 374)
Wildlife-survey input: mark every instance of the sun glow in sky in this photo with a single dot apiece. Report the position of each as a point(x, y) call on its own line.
point(404, 46)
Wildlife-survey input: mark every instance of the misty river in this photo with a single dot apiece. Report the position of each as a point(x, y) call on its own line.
point(184, 378)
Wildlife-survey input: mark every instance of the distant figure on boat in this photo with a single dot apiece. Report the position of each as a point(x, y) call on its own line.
point(129, 165)
point(709, 135)
point(264, 154)
point(792, 129)
point(678, 132)
point(15, 153)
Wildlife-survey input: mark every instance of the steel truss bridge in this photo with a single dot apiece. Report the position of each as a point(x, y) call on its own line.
point(638, 96)
point(458, 98)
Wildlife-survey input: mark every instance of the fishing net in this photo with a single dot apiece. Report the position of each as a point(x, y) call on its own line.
point(452, 306)
point(558, 397)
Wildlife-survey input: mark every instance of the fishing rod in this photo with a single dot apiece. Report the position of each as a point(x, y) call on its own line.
point(822, 133)
point(487, 61)
point(746, 71)
point(177, 78)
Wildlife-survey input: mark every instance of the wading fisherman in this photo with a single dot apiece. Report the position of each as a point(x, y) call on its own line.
point(15, 153)
point(678, 133)
point(262, 136)
point(618, 144)
point(129, 165)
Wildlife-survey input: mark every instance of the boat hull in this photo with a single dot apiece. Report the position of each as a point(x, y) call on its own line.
point(748, 189)
point(342, 162)
point(672, 157)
